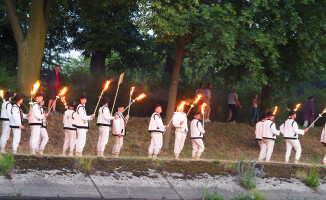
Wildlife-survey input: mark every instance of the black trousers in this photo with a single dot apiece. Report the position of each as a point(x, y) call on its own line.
point(233, 108)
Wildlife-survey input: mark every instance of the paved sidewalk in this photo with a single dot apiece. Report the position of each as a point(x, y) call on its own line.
point(70, 184)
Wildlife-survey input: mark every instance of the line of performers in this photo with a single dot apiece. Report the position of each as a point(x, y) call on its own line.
point(266, 133)
point(76, 125)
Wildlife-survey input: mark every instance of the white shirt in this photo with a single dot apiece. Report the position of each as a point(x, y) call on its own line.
point(323, 136)
point(259, 130)
point(179, 117)
point(290, 129)
point(196, 129)
point(156, 123)
point(6, 110)
point(269, 130)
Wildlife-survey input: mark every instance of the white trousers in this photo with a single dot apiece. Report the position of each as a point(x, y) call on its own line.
point(103, 137)
point(81, 139)
point(44, 138)
point(5, 133)
point(297, 147)
point(263, 150)
point(118, 142)
point(197, 146)
point(16, 138)
point(156, 143)
point(180, 138)
point(270, 146)
point(35, 137)
point(70, 140)
point(305, 124)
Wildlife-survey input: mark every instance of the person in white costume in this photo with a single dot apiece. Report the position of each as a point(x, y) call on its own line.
point(259, 138)
point(269, 134)
point(44, 137)
point(197, 136)
point(119, 130)
point(70, 130)
point(5, 115)
point(181, 128)
point(156, 129)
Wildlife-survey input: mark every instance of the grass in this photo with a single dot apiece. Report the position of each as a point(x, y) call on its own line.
point(6, 163)
point(313, 180)
point(85, 164)
point(223, 141)
point(248, 174)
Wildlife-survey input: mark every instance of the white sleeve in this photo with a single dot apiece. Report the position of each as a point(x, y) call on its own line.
point(159, 123)
point(8, 110)
point(282, 128)
point(185, 123)
point(200, 128)
point(176, 120)
point(83, 115)
point(274, 130)
point(15, 116)
point(117, 125)
point(107, 115)
point(296, 129)
point(37, 112)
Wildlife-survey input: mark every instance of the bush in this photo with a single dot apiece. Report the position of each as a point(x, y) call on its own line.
point(313, 179)
point(248, 174)
point(255, 194)
point(6, 163)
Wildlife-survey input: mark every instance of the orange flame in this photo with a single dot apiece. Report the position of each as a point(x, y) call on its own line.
point(275, 110)
point(63, 100)
point(197, 99)
point(181, 106)
point(106, 85)
point(140, 97)
point(35, 87)
point(297, 106)
point(63, 91)
point(1, 93)
point(203, 108)
point(132, 90)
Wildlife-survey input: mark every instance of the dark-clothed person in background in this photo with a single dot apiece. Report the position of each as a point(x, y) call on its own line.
point(309, 112)
point(53, 80)
point(232, 104)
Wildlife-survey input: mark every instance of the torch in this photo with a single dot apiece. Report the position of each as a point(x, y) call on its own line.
point(203, 113)
point(34, 90)
point(319, 116)
point(131, 91)
point(63, 100)
point(275, 110)
point(192, 105)
point(62, 92)
point(180, 107)
point(141, 96)
point(1, 93)
point(105, 88)
point(297, 107)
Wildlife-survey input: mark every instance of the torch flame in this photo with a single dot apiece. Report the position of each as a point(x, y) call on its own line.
point(297, 106)
point(181, 106)
point(132, 90)
point(140, 97)
point(106, 85)
point(203, 108)
point(1, 93)
point(35, 87)
point(63, 100)
point(275, 110)
point(197, 99)
point(63, 91)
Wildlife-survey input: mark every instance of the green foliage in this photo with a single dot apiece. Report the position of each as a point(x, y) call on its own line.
point(85, 164)
point(255, 194)
point(212, 196)
point(313, 180)
point(248, 174)
point(6, 163)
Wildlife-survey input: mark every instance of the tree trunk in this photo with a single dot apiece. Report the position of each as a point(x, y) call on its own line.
point(174, 88)
point(266, 98)
point(98, 62)
point(31, 48)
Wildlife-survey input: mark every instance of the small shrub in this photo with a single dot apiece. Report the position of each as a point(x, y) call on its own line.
point(85, 164)
point(255, 194)
point(313, 179)
point(211, 196)
point(6, 163)
point(248, 174)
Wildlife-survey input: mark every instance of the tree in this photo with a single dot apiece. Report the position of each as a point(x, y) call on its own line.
point(30, 40)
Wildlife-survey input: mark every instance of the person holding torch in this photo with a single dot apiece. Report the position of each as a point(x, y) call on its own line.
point(181, 128)
point(35, 121)
point(119, 130)
point(291, 133)
point(323, 142)
point(156, 128)
point(81, 123)
point(269, 133)
point(103, 122)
